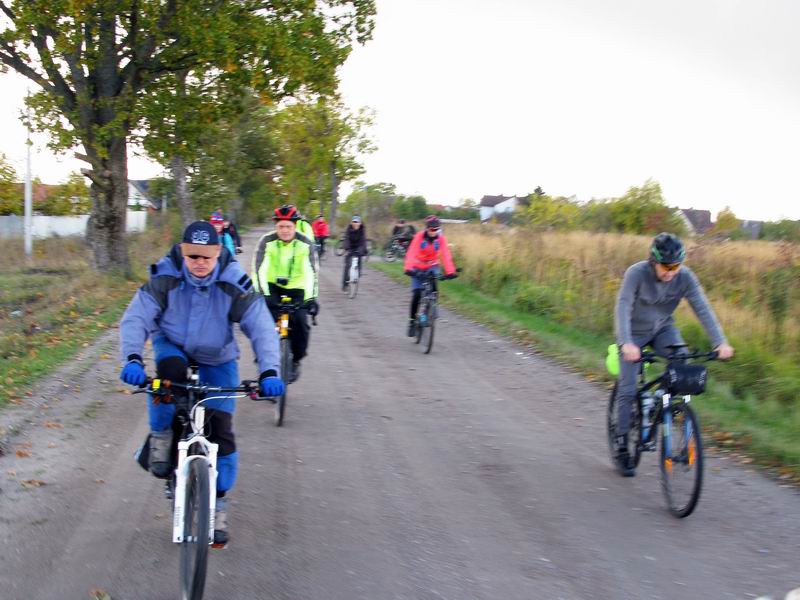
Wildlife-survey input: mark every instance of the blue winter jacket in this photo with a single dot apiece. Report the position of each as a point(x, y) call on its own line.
point(199, 319)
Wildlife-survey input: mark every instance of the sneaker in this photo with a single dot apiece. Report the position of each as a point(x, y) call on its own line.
point(160, 453)
point(221, 536)
point(412, 328)
point(623, 458)
point(295, 371)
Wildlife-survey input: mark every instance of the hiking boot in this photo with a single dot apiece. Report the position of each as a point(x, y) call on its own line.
point(412, 328)
point(623, 459)
point(221, 523)
point(295, 371)
point(160, 453)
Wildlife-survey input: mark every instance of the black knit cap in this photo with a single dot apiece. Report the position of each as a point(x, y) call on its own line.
point(200, 233)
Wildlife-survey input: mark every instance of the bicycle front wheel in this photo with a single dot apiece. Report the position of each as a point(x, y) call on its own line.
point(286, 373)
point(681, 459)
point(352, 289)
point(430, 326)
point(196, 517)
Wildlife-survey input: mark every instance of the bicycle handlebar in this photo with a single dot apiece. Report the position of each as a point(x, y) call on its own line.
point(248, 387)
point(652, 357)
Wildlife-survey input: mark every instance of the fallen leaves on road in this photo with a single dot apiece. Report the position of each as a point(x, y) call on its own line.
point(32, 483)
point(22, 453)
point(53, 425)
point(98, 594)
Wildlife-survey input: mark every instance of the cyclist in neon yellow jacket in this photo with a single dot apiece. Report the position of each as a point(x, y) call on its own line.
point(284, 264)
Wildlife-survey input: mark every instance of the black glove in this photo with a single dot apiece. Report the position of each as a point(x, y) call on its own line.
point(313, 307)
point(451, 276)
point(411, 272)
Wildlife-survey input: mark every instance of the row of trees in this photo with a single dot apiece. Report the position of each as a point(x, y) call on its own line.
point(640, 210)
point(164, 76)
point(68, 198)
point(380, 202)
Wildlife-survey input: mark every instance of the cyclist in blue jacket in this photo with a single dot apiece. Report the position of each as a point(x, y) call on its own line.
point(188, 307)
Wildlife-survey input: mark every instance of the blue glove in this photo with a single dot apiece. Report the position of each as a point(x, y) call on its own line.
point(133, 373)
point(272, 386)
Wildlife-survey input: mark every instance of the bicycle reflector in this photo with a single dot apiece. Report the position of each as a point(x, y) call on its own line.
point(156, 384)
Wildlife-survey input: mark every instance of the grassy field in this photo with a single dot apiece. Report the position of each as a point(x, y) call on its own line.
point(557, 291)
point(55, 303)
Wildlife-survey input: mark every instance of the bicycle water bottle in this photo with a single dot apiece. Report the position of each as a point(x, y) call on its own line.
point(647, 408)
point(423, 319)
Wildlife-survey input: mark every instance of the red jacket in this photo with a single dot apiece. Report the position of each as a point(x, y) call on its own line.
point(320, 228)
point(423, 254)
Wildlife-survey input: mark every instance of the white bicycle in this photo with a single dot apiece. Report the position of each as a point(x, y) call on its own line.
point(353, 275)
point(194, 480)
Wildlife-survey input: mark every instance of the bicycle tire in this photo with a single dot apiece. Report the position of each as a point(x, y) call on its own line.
point(690, 456)
point(352, 289)
point(417, 323)
point(196, 517)
point(634, 433)
point(286, 369)
point(430, 311)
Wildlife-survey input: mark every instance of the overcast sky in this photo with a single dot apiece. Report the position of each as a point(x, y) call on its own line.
point(586, 98)
point(581, 97)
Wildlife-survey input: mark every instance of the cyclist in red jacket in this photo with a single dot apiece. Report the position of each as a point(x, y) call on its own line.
point(321, 232)
point(427, 250)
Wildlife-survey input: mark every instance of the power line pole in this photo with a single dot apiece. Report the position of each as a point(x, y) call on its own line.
point(28, 221)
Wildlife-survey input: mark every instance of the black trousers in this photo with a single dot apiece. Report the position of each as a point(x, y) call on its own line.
point(299, 330)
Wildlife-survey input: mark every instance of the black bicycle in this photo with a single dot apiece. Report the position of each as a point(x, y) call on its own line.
point(395, 249)
point(192, 486)
point(287, 308)
point(663, 403)
point(428, 311)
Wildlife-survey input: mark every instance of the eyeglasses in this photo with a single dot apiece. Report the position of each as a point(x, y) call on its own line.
point(670, 267)
point(199, 257)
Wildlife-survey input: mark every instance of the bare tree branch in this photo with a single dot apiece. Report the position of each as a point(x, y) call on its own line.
point(8, 12)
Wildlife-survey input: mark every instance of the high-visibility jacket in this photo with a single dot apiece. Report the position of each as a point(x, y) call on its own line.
point(294, 260)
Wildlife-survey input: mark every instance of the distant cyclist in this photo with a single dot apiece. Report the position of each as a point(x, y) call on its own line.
point(403, 232)
point(428, 252)
point(321, 232)
point(651, 291)
point(354, 242)
point(225, 238)
point(284, 265)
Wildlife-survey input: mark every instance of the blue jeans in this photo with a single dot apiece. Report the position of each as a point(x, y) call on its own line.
point(172, 363)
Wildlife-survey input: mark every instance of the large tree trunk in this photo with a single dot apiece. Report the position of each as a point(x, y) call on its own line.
point(106, 227)
point(334, 198)
point(184, 198)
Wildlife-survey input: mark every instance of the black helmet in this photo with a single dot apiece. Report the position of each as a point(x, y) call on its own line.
point(667, 249)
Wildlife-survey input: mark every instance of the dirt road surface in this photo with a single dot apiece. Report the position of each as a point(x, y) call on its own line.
point(477, 472)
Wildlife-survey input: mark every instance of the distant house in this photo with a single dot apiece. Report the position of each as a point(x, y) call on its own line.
point(496, 206)
point(697, 222)
point(139, 197)
point(752, 229)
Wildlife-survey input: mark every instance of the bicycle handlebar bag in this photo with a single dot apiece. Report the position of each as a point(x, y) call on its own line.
point(685, 379)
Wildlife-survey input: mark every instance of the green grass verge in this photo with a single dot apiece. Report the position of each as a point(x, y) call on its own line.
point(765, 431)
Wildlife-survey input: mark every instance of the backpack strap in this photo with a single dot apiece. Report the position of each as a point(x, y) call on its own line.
point(160, 287)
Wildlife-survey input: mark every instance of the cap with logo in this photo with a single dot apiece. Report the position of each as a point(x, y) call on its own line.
point(356, 219)
point(200, 238)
